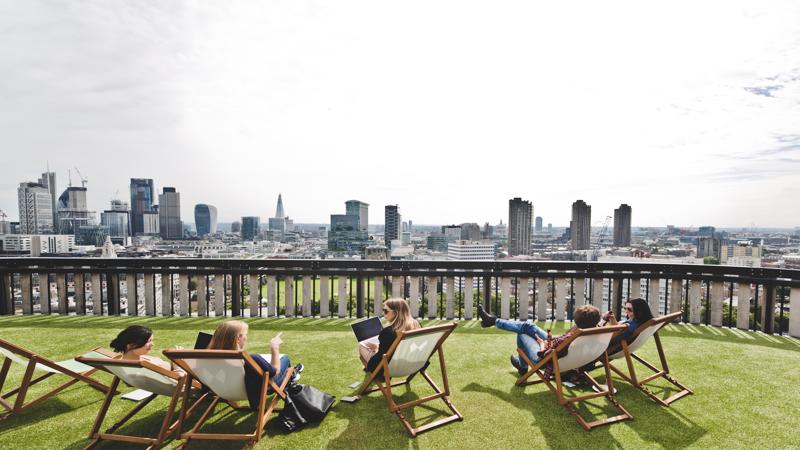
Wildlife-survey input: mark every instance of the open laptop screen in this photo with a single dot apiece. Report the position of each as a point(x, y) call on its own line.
point(203, 339)
point(366, 329)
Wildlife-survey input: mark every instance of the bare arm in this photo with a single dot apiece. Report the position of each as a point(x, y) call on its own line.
point(275, 350)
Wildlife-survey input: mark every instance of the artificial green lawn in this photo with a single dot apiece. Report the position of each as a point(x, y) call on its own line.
point(745, 384)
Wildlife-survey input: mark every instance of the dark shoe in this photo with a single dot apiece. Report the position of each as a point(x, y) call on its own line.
point(296, 375)
point(517, 365)
point(487, 320)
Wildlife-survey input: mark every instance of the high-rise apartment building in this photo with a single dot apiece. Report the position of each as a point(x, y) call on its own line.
point(581, 225)
point(470, 232)
point(48, 180)
point(348, 231)
point(142, 195)
point(117, 220)
point(622, 226)
point(205, 219)
point(709, 246)
point(169, 214)
point(520, 214)
point(538, 224)
point(250, 228)
point(35, 209)
point(392, 228)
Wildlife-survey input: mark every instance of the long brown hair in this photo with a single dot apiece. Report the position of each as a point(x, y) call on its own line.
point(226, 336)
point(402, 319)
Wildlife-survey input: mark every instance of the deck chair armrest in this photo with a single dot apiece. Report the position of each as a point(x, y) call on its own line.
point(106, 352)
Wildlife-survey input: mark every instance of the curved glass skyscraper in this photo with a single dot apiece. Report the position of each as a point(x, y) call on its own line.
point(205, 219)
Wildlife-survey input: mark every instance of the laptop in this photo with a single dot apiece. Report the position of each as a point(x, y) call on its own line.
point(367, 331)
point(202, 341)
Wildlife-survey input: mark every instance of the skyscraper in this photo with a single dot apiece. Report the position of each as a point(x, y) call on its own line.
point(142, 193)
point(250, 228)
point(35, 209)
point(278, 225)
point(392, 228)
point(622, 226)
point(72, 210)
point(117, 220)
point(360, 209)
point(538, 226)
point(169, 214)
point(279, 209)
point(520, 213)
point(205, 219)
point(48, 180)
point(580, 225)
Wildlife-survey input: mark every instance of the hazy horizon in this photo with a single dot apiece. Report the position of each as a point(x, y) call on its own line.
point(689, 112)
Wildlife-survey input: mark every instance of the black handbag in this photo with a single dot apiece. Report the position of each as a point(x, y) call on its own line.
point(312, 403)
point(304, 404)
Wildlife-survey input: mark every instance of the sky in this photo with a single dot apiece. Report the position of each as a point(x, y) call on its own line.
point(687, 111)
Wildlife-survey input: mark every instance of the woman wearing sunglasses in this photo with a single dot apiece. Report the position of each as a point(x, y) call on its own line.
point(637, 312)
point(397, 313)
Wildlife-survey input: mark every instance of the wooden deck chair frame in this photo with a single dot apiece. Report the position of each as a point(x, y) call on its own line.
point(14, 353)
point(168, 426)
point(558, 388)
point(264, 410)
point(386, 386)
point(658, 372)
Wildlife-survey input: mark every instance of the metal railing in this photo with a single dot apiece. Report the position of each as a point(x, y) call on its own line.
point(741, 297)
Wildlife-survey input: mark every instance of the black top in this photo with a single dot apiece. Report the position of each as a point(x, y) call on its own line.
point(385, 340)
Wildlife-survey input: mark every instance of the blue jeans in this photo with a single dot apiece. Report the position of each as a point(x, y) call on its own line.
point(281, 373)
point(526, 338)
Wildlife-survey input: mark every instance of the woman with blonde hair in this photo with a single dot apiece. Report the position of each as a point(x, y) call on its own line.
point(232, 335)
point(397, 313)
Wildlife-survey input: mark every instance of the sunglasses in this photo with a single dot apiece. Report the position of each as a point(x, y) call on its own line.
point(628, 309)
point(386, 310)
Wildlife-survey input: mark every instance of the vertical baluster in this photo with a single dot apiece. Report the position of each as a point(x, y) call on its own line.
point(432, 284)
point(450, 288)
point(183, 294)
point(325, 296)
point(97, 294)
point(469, 296)
point(695, 302)
point(794, 319)
point(636, 288)
point(27, 294)
point(272, 294)
point(524, 297)
point(166, 295)
point(505, 298)
point(306, 296)
point(541, 299)
point(130, 293)
point(597, 295)
point(654, 295)
point(6, 296)
point(579, 293)
point(717, 294)
point(80, 293)
point(149, 294)
point(44, 292)
point(341, 286)
point(219, 295)
point(561, 299)
point(675, 295)
point(202, 296)
point(61, 287)
point(288, 285)
point(414, 296)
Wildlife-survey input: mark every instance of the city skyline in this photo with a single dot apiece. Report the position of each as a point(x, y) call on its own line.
point(609, 105)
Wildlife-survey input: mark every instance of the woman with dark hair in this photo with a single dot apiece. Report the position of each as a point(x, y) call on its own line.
point(398, 314)
point(135, 342)
point(638, 312)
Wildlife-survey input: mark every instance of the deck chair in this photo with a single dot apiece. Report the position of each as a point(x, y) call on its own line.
point(408, 356)
point(33, 362)
point(141, 375)
point(637, 340)
point(583, 347)
point(222, 371)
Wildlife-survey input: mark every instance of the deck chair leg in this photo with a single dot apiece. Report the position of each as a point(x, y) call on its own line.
point(166, 427)
point(23, 389)
point(101, 415)
point(4, 372)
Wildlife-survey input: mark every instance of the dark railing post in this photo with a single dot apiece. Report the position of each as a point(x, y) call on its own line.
point(768, 313)
point(4, 297)
point(236, 295)
point(112, 287)
point(360, 296)
point(617, 305)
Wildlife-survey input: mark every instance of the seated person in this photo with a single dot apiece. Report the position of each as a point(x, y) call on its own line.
point(232, 335)
point(638, 312)
point(135, 342)
point(533, 340)
point(397, 313)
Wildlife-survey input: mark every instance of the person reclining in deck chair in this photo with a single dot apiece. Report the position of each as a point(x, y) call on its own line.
point(135, 342)
point(397, 313)
point(533, 340)
point(638, 312)
point(232, 335)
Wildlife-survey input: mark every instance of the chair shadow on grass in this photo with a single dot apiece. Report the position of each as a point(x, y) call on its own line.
point(662, 425)
point(50, 408)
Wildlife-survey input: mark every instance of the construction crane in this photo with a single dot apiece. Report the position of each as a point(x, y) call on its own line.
point(84, 180)
point(603, 232)
point(3, 216)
